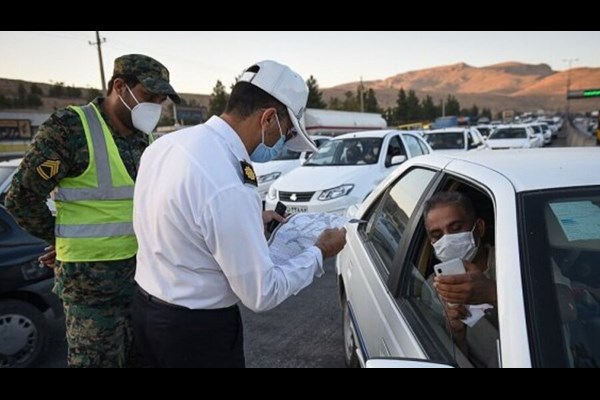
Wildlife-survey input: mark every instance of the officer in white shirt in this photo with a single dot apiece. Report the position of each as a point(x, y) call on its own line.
point(200, 227)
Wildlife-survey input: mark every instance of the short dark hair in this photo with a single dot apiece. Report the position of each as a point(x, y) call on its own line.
point(451, 199)
point(130, 80)
point(246, 99)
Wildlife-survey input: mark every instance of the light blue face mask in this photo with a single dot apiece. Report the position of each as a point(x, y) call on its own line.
point(264, 153)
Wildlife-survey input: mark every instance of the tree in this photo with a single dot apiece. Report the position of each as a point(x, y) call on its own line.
point(430, 110)
point(452, 106)
point(371, 104)
point(36, 90)
point(218, 100)
point(474, 111)
point(315, 96)
point(351, 102)
point(486, 112)
point(401, 110)
point(413, 107)
point(57, 90)
point(335, 104)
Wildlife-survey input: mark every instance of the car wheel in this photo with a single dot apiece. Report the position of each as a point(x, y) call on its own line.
point(23, 334)
point(351, 358)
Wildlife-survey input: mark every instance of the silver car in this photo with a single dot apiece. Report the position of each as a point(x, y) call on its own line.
point(542, 212)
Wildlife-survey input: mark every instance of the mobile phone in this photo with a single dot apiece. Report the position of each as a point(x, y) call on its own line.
point(280, 209)
point(452, 267)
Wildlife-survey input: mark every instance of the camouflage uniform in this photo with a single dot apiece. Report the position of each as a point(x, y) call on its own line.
point(96, 295)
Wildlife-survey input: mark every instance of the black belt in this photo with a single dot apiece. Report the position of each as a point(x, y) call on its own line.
point(152, 299)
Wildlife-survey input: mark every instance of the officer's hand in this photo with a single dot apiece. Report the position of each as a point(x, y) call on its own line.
point(48, 259)
point(331, 242)
point(269, 216)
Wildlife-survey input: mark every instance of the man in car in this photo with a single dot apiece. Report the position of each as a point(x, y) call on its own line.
point(456, 232)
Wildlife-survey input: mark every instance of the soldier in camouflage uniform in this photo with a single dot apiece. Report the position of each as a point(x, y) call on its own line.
point(96, 294)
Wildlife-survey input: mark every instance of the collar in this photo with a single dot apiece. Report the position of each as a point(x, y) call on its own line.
point(230, 136)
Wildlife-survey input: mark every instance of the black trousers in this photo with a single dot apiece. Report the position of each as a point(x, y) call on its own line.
point(170, 336)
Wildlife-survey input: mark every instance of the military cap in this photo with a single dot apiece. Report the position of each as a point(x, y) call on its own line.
point(152, 74)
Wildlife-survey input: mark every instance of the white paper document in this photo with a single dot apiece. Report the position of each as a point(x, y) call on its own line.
point(300, 233)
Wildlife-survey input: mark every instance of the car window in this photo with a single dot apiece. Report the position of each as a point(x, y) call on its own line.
point(423, 146)
point(395, 148)
point(564, 285)
point(413, 145)
point(388, 221)
point(351, 151)
point(287, 155)
point(5, 174)
point(464, 345)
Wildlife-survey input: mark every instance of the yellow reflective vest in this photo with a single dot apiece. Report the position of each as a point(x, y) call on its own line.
point(94, 212)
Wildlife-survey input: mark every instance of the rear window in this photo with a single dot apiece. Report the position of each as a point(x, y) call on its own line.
point(509, 133)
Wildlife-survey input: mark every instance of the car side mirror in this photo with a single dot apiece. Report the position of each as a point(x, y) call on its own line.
point(397, 160)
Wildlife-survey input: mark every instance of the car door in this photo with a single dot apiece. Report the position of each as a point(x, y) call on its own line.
point(370, 260)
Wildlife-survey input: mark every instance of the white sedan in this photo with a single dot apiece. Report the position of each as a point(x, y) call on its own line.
point(345, 170)
point(455, 139)
point(287, 161)
point(542, 211)
point(514, 137)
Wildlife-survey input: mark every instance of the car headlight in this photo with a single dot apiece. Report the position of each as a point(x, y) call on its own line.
point(272, 193)
point(336, 193)
point(269, 177)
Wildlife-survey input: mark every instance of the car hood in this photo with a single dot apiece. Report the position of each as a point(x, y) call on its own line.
point(314, 179)
point(275, 166)
point(504, 143)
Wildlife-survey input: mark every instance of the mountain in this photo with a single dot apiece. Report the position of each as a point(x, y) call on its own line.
point(509, 85)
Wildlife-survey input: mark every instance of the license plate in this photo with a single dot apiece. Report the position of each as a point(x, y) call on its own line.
point(296, 210)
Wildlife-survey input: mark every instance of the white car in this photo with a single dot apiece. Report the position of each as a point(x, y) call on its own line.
point(455, 139)
point(514, 137)
point(542, 211)
point(8, 169)
point(345, 170)
point(268, 173)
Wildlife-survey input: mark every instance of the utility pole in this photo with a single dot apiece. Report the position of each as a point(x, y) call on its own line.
point(570, 61)
point(361, 90)
point(98, 43)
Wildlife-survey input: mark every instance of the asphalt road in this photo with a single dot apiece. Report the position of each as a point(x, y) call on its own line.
point(304, 332)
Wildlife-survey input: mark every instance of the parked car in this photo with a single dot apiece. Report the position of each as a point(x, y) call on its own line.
point(25, 296)
point(514, 137)
point(8, 169)
point(345, 170)
point(287, 161)
point(455, 139)
point(542, 212)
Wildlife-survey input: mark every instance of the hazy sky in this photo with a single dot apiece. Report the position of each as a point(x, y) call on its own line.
point(197, 59)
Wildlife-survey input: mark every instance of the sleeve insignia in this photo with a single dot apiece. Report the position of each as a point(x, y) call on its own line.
point(249, 174)
point(49, 169)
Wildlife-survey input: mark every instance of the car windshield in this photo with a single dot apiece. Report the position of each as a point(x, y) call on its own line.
point(287, 155)
point(509, 133)
point(341, 152)
point(566, 272)
point(446, 140)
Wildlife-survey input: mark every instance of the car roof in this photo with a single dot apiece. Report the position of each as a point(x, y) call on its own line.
point(11, 163)
point(372, 134)
point(447, 130)
point(532, 169)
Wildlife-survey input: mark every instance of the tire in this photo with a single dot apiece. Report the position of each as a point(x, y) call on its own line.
point(23, 334)
point(350, 356)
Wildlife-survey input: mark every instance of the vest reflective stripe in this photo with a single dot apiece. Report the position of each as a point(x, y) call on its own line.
point(120, 193)
point(91, 231)
point(94, 220)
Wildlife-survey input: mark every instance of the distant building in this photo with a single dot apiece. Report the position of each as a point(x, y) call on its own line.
point(20, 125)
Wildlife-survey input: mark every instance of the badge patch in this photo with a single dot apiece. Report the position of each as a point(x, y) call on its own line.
point(249, 174)
point(49, 169)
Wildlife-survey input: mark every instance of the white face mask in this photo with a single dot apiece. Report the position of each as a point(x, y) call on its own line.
point(145, 116)
point(457, 245)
